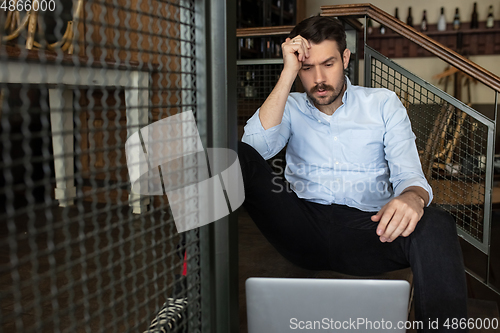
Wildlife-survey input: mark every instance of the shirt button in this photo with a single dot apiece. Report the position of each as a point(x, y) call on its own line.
point(336, 162)
point(319, 121)
point(335, 138)
point(338, 179)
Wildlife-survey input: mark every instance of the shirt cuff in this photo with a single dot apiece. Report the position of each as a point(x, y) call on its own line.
point(254, 127)
point(414, 182)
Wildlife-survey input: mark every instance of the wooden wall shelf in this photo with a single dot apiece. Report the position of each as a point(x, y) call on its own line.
point(480, 41)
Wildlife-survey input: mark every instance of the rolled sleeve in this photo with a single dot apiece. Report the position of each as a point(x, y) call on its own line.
point(416, 181)
point(267, 142)
point(400, 149)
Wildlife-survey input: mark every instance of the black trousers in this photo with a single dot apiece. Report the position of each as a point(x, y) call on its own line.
point(343, 239)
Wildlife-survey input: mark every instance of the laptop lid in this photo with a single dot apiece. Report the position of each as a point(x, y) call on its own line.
point(289, 305)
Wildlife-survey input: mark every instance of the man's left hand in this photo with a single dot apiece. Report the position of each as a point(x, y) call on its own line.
point(400, 215)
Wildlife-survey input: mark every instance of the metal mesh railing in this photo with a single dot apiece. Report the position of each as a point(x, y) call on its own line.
point(256, 81)
point(78, 250)
point(454, 143)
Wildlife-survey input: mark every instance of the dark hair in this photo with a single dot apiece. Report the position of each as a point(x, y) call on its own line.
point(319, 28)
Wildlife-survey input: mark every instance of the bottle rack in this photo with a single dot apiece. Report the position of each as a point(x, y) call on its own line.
point(268, 47)
point(479, 41)
point(266, 13)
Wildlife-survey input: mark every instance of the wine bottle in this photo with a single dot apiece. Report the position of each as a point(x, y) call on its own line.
point(490, 21)
point(242, 88)
point(369, 26)
point(441, 26)
point(249, 90)
point(254, 88)
point(268, 49)
point(382, 29)
point(396, 13)
point(474, 22)
point(423, 25)
point(456, 20)
point(409, 19)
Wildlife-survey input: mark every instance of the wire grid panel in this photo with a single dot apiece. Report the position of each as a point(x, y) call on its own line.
point(255, 84)
point(78, 250)
point(453, 148)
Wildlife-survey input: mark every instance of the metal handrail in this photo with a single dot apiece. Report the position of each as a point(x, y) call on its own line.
point(453, 58)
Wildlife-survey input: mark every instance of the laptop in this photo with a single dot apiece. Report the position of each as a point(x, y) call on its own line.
point(290, 305)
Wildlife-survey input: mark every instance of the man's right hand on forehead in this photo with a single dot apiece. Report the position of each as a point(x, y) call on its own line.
point(295, 51)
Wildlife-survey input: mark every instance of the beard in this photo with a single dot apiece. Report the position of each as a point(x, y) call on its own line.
point(326, 100)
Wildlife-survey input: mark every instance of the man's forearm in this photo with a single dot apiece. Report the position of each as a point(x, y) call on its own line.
point(421, 192)
point(271, 112)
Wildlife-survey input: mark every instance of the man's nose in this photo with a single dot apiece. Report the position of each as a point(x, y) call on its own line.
point(319, 76)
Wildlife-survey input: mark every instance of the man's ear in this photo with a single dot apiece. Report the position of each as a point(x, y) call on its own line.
point(346, 57)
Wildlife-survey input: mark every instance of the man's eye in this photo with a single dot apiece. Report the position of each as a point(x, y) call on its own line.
point(329, 65)
point(306, 68)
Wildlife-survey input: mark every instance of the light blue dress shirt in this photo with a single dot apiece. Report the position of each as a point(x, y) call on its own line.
point(362, 156)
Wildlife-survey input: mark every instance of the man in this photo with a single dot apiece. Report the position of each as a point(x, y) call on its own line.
point(359, 199)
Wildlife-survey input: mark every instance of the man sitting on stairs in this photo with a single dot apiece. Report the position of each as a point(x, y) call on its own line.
point(359, 200)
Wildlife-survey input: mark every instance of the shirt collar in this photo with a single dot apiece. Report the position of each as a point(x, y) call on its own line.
point(347, 89)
